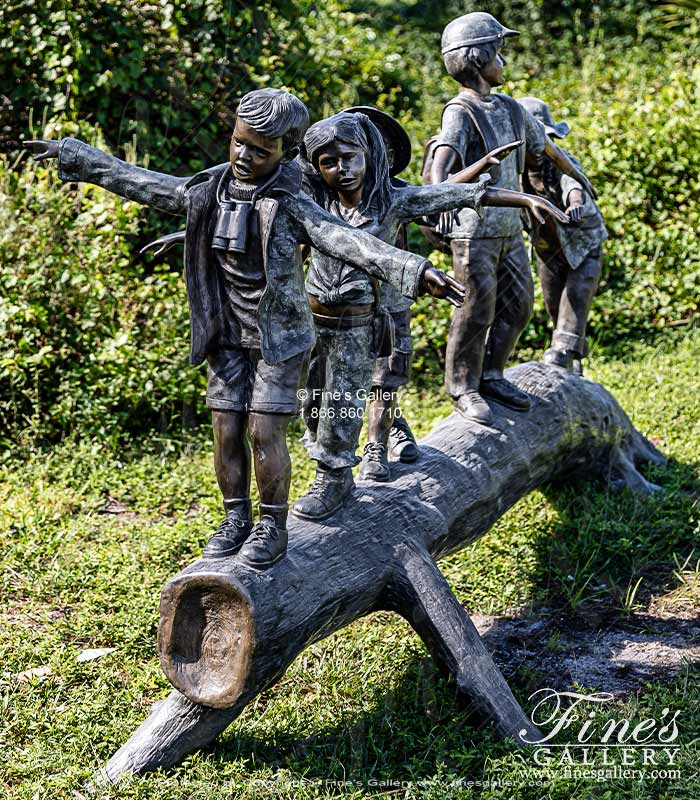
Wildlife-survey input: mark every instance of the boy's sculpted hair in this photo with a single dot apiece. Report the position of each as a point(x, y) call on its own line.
point(466, 63)
point(275, 113)
point(358, 130)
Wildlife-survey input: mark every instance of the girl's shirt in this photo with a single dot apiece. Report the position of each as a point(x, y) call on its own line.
point(335, 283)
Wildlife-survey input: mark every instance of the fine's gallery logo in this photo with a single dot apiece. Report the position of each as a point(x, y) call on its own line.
point(598, 736)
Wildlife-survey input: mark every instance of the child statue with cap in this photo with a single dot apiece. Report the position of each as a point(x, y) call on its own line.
point(569, 257)
point(250, 317)
point(488, 252)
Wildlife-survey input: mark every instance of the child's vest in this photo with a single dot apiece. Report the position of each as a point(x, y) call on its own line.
point(483, 127)
point(489, 141)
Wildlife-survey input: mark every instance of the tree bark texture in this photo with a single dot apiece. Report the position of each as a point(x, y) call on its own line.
point(228, 632)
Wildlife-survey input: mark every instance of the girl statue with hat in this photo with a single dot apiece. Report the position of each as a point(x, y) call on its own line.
point(348, 172)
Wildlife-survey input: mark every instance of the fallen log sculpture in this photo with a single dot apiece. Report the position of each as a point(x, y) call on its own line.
point(228, 632)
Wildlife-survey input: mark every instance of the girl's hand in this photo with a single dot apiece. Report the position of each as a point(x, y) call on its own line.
point(538, 206)
point(446, 222)
point(574, 213)
point(574, 210)
point(438, 284)
point(499, 153)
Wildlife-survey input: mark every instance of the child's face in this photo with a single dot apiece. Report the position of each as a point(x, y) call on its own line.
point(343, 166)
point(253, 156)
point(492, 73)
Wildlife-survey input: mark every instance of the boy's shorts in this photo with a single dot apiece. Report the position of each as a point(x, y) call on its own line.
point(239, 379)
point(392, 371)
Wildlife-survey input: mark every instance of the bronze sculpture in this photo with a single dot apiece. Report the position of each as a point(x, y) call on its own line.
point(488, 254)
point(352, 180)
point(381, 554)
point(249, 314)
point(569, 258)
point(226, 634)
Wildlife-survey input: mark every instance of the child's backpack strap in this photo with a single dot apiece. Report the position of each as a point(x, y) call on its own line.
point(481, 123)
point(517, 116)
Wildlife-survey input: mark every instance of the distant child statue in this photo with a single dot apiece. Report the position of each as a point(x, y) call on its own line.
point(250, 317)
point(349, 173)
point(488, 252)
point(570, 257)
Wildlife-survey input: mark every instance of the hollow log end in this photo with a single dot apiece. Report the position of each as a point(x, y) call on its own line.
point(206, 637)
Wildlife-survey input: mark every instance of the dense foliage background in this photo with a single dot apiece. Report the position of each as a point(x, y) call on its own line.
point(93, 337)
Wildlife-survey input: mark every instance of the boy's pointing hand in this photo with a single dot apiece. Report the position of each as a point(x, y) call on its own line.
point(42, 148)
point(435, 282)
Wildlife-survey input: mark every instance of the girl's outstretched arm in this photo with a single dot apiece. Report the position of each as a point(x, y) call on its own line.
point(536, 205)
point(414, 202)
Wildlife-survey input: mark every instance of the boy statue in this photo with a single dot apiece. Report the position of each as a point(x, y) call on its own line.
point(250, 317)
point(569, 257)
point(488, 252)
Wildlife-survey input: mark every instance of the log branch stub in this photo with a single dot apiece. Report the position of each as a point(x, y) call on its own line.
point(420, 594)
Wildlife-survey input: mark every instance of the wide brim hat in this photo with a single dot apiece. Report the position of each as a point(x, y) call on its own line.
point(540, 111)
point(557, 129)
point(393, 134)
point(472, 30)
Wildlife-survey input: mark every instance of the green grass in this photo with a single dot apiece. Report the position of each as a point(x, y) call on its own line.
point(366, 705)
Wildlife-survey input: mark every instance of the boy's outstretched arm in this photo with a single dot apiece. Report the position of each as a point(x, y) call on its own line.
point(78, 161)
point(411, 274)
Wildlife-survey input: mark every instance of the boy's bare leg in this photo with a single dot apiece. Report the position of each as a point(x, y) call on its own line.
point(552, 282)
point(575, 304)
point(552, 278)
point(232, 467)
point(273, 466)
point(569, 293)
point(231, 453)
point(273, 473)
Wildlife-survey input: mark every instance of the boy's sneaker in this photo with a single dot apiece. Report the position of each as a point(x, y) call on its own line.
point(558, 358)
point(472, 405)
point(326, 495)
point(265, 546)
point(506, 393)
point(229, 538)
point(402, 443)
point(375, 464)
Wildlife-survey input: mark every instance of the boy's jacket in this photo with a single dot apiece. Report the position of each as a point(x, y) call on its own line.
point(288, 218)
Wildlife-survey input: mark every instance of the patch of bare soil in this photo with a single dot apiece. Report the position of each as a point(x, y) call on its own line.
point(618, 655)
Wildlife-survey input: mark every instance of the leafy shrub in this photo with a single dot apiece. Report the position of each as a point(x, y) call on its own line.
point(635, 123)
point(96, 340)
point(168, 73)
point(86, 342)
